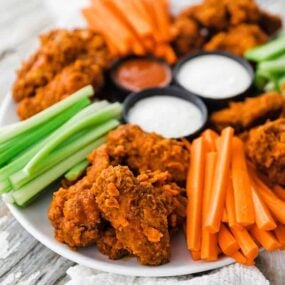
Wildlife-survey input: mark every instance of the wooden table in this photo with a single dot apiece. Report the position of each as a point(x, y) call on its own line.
point(26, 259)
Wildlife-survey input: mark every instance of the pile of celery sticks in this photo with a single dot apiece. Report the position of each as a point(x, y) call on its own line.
point(36, 152)
point(270, 64)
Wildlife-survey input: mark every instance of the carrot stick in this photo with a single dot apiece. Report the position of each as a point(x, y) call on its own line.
point(246, 243)
point(218, 142)
point(196, 255)
point(226, 241)
point(225, 216)
point(136, 46)
point(209, 248)
point(265, 238)
point(117, 25)
point(218, 192)
point(97, 26)
point(159, 33)
point(149, 9)
point(210, 166)
point(239, 257)
point(263, 217)
point(280, 235)
point(241, 185)
point(275, 205)
point(279, 192)
point(194, 189)
point(118, 33)
point(169, 54)
point(210, 138)
point(160, 9)
point(129, 12)
point(143, 11)
point(230, 206)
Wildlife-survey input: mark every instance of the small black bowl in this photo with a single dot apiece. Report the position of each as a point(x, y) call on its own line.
point(174, 91)
point(117, 63)
point(214, 104)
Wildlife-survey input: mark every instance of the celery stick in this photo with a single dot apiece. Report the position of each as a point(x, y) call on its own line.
point(46, 115)
point(75, 172)
point(67, 130)
point(40, 132)
point(94, 107)
point(270, 50)
point(5, 186)
point(270, 86)
point(276, 66)
point(33, 188)
point(20, 161)
point(78, 106)
point(281, 82)
point(20, 178)
point(261, 79)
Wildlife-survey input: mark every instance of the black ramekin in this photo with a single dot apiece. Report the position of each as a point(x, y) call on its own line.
point(116, 64)
point(214, 104)
point(174, 91)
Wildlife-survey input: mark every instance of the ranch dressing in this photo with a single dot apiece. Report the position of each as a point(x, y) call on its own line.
point(214, 76)
point(169, 116)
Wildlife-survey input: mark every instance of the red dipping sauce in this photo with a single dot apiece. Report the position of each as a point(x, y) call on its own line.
point(135, 74)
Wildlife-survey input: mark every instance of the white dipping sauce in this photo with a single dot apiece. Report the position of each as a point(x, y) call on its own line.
point(169, 116)
point(214, 76)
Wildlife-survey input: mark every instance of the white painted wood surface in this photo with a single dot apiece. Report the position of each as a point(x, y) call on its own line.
point(23, 260)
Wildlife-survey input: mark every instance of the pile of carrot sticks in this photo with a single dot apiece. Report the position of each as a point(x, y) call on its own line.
point(231, 210)
point(132, 26)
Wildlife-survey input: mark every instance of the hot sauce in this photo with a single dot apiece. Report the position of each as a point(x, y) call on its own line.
point(141, 73)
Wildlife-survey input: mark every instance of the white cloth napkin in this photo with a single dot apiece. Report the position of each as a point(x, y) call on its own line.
point(235, 274)
point(67, 15)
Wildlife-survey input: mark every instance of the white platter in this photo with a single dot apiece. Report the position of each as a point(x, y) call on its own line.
point(34, 220)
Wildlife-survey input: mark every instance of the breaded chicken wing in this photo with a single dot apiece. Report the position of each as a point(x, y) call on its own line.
point(265, 146)
point(237, 40)
point(141, 151)
point(74, 212)
point(231, 25)
point(249, 113)
point(70, 79)
point(189, 37)
point(109, 245)
point(58, 49)
point(211, 14)
point(137, 212)
point(161, 181)
point(123, 214)
point(75, 215)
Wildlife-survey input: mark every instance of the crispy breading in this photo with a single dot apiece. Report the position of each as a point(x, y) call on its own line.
point(269, 23)
point(75, 215)
point(58, 49)
point(138, 212)
point(141, 151)
point(210, 14)
point(231, 25)
point(242, 11)
point(237, 40)
point(249, 113)
point(162, 181)
point(265, 146)
point(73, 77)
point(152, 203)
point(189, 36)
point(73, 211)
point(109, 245)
